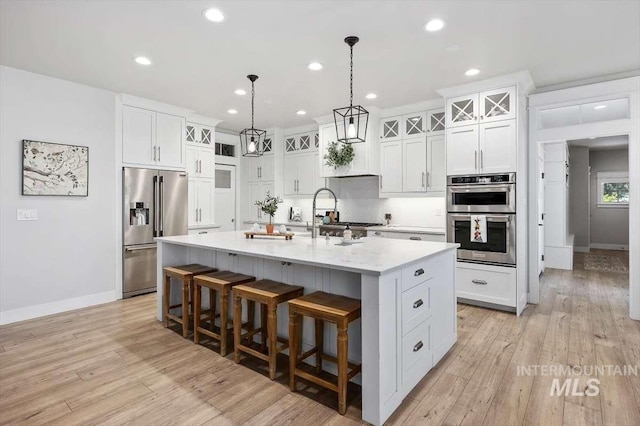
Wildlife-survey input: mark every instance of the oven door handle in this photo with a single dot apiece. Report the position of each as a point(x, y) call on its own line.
point(490, 217)
point(480, 188)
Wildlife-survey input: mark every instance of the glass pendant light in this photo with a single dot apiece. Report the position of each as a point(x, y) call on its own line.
point(252, 139)
point(351, 122)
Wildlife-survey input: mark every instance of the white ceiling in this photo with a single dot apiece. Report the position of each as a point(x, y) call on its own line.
point(602, 143)
point(198, 64)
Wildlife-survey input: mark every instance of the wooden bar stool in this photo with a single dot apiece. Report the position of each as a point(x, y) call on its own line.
point(220, 282)
point(184, 273)
point(322, 306)
point(269, 294)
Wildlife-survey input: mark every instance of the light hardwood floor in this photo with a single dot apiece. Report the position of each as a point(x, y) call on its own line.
point(115, 364)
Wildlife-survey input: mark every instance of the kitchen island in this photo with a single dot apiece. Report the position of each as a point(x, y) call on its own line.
point(406, 288)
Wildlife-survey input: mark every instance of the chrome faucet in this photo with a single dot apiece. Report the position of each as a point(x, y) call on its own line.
point(335, 208)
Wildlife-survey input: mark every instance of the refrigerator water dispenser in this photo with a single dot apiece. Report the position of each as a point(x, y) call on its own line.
point(138, 214)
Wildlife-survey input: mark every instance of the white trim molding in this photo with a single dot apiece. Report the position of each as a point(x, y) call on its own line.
point(621, 247)
point(36, 311)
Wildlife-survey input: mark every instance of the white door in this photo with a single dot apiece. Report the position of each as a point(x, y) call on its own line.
point(205, 191)
point(306, 182)
point(290, 175)
point(415, 165)
point(462, 111)
point(391, 167)
point(435, 122)
point(462, 150)
point(436, 164)
point(225, 199)
point(138, 135)
point(497, 105)
point(192, 161)
point(391, 129)
point(192, 202)
point(414, 125)
point(253, 195)
point(498, 147)
point(540, 215)
point(266, 167)
point(170, 131)
point(206, 162)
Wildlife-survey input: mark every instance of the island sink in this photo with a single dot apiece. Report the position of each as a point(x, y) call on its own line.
point(406, 288)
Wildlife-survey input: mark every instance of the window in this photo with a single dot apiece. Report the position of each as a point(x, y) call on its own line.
point(613, 189)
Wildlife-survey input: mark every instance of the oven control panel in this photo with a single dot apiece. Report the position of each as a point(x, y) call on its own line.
point(482, 179)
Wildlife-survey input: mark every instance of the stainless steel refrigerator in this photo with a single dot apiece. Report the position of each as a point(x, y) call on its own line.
point(155, 205)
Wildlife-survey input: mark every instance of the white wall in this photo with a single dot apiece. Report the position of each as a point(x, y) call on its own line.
point(609, 225)
point(579, 195)
point(67, 258)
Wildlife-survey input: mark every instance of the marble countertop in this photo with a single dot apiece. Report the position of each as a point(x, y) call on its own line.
point(262, 222)
point(408, 229)
point(204, 226)
point(374, 256)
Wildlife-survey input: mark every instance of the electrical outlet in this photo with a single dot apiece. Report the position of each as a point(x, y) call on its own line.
point(27, 214)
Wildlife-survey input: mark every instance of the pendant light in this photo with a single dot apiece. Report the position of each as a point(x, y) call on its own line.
point(351, 122)
point(252, 140)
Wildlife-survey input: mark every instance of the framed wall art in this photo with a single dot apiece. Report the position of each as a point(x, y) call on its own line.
point(54, 169)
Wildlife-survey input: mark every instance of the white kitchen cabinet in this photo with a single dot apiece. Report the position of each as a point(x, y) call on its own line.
point(301, 174)
point(497, 147)
point(436, 163)
point(414, 125)
point(257, 191)
point(200, 161)
point(300, 143)
point(201, 201)
point(415, 236)
point(496, 105)
point(259, 168)
point(462, 150)
point(200, 134)
point(435, 122)
point(462, 110)
point(414, 177)
point(152, 138)
point(391, 167)
point(391, 129)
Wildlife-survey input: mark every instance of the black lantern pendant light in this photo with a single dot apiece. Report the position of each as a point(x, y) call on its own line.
point(252, 140)
point(351, 122)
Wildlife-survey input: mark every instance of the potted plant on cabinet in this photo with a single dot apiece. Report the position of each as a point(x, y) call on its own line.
point(269, 206)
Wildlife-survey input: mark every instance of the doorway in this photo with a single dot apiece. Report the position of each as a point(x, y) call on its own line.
point(225, 194)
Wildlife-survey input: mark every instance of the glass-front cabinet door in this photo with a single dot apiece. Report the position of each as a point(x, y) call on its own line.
point(391, 129)
point(414, 124)
point(267, 146)
point(304, 142)
point(462, 110)
point(191, 133)
point(206, 136)
point(435, 122)
point(290, 144)
point(498, 105)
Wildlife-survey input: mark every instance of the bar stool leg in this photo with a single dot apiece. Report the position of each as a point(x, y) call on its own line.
point(186, 292)
point(263, 325)
point(196, 312)
point(224, 320)
point(343, 345)
point(251, 316)
point(319, 344)
point(294, 325)
point(273, 338)
point(166, 299)
point(212, 308)
point(237, 326)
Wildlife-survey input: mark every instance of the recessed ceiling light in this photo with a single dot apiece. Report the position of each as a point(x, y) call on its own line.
point(434, 25)
point(142, 60)
point(232, 111)
point(371, 96)
point(599, 107)
point(240, 92)
point(471, 72)
point(213, 15)
point(315, 66)
point(592, 137)
point(301, 112)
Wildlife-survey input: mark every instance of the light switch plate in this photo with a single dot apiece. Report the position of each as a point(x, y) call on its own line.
point(27, 214)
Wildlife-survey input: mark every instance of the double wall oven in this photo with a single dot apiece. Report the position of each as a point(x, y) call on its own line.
point(492, 197)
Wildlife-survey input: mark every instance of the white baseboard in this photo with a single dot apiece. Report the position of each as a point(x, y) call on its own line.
point(610, 246)
point(57, 307)
point(581, 249)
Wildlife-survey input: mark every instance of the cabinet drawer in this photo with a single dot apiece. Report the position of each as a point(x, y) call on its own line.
point(416, 306)
point(417, 273)
point(417, 357)
point(491, 284)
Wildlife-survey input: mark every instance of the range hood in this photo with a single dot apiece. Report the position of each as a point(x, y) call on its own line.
point(366, 162)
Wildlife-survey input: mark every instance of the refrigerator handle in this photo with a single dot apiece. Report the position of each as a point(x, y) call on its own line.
point(161, 206)
point(155, 205)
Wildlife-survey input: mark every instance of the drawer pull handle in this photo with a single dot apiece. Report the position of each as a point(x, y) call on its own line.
point(418, 346)
point(481, 282)
point(418, 272)
point(417, 303)
point(415, 238)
